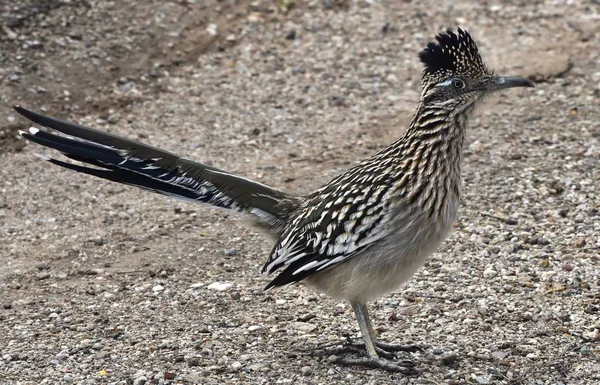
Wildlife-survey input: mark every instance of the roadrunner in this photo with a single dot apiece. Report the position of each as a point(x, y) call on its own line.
point(363, 234)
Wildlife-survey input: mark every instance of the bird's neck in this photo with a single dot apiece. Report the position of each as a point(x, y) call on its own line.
point(428, 155)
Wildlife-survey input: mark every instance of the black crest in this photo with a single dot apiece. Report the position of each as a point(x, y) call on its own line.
point(453, 53)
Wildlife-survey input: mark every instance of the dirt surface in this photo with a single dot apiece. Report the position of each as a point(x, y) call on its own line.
point(104, 284)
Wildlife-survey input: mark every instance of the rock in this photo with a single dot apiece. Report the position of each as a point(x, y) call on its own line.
point(449, 359)
point(7, 305)
point(113, 118)
point(194, 378)
point(158, 288)
point(42, 275)
point(304, 327)
point(236, 365)
point(580, 242)
point(193, 362)
point(306, 370)
point(212, 30)
point(254, 328)
point(291, 35)
point(594, 335)
point(231, 252)
point(169, 375)
point(499, 355)
point(220, 286)
point(306, 317)
point(489, 273)
point(511, 221)
point(567, 267)
point(86, 343)
point(140, 380)
point(14, 78)
point(481, 379)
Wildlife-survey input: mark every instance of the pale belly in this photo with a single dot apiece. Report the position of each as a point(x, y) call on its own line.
point(391, 263)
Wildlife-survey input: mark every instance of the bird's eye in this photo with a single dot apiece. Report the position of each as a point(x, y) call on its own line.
point(458, 84)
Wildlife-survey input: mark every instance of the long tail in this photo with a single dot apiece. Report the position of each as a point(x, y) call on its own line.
point(133, 163)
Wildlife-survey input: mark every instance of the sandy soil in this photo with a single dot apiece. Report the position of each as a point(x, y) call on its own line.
point(104, 284)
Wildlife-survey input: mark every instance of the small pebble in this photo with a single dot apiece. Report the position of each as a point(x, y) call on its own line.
point(449, 359)
point(113, 118)
point(220, 286)
point(169, 375)
point(291, 35)
point(193, 362)
point(580, 242)
point(306, 370)
point(304, 327)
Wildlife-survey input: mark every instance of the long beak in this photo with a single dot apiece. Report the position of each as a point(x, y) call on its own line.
point(502, 82)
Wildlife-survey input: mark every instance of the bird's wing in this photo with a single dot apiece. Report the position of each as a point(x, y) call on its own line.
point(335, 224)
point(130, 162)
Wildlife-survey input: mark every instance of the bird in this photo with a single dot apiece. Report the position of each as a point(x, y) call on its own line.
point(363, 234)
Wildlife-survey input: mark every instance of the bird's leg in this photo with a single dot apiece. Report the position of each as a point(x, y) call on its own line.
point(366, 328)
point(382, 348)
point(373, 360)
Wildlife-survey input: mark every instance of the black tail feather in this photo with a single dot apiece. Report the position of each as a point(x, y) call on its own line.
point(133, 163)
point(131, 179)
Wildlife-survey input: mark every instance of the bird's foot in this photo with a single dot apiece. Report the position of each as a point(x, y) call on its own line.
point(342, 354)
point(410, 348)
point(405, 367)
point(350, 348)
point(385, 349)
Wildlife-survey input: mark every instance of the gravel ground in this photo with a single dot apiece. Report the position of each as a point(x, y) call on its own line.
point(104, 284)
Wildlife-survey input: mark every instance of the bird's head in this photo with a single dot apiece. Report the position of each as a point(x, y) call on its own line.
point(455, 76)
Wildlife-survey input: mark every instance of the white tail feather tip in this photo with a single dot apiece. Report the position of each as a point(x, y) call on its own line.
point(33, 130)
point(44, 157)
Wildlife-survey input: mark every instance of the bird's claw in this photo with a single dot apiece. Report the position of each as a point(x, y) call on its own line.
point(398, 347)
point(405, 367)
point(354, 348)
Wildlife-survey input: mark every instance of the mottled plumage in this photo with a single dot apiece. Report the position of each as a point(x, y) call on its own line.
point(364, 233)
